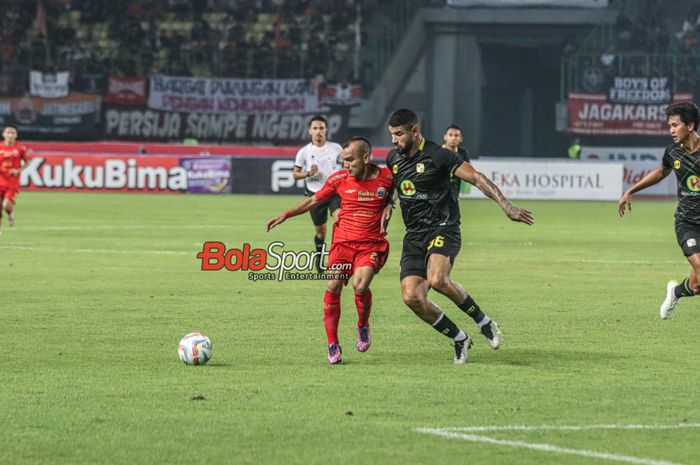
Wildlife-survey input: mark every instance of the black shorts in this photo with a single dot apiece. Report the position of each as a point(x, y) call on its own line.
point(319, 215)
point(688, 237)
point(417, 247)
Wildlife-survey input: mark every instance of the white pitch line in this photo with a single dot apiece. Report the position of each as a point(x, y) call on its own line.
point(476, 429)
point(106, 251)
point(545, 447)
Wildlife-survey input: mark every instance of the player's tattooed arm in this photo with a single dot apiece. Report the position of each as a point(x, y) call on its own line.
point(304, 206)
point(467, 173)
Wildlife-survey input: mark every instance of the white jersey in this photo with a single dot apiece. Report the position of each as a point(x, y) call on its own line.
point(327, 158)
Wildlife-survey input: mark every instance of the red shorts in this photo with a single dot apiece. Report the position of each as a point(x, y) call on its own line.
point(354, 254)
point(9, 193)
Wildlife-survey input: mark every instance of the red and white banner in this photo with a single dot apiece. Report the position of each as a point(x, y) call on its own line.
point(88, 173)
point(126, 90)
point(594, 114)
point(234, 96)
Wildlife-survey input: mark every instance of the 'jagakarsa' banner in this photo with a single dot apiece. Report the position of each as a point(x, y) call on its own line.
point(140, 123)
point(240, 96)
point(595, 114)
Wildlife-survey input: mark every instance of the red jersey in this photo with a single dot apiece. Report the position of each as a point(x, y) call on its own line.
point(11, 158)
point(361, 204)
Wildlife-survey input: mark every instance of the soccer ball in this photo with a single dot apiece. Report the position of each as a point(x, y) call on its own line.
point(194, 349)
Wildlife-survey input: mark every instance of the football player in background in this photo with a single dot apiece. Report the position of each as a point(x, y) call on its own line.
point(314, 163)
point(13, 159)
point(453, 138)
point(359, 247)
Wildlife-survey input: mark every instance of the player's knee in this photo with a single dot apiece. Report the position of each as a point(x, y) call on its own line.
point(439, 283)
point(334, 286)
point(412, 298)
point(361, 287)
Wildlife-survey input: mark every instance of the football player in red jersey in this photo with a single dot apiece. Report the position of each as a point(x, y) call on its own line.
point(359, 247)
point(13, 159)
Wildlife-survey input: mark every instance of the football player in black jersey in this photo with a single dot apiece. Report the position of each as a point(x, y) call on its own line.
point(422, 171)
point(683, 158)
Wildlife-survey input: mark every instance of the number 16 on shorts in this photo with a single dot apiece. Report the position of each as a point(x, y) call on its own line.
point(438, 241)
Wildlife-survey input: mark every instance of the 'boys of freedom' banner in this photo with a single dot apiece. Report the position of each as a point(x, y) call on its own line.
point(151, 174)
point(593, 114)
point(555, 180)
point(139, 123)
point(640, 89)
point(240, 96)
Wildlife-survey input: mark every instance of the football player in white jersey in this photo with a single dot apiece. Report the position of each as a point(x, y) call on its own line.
point(314, 163)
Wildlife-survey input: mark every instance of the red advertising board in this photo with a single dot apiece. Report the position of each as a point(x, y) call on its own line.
point(594, 114)
point(115, 173)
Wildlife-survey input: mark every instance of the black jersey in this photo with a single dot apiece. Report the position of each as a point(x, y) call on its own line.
point(455, 182)
point(423, 184)
point(686, 166)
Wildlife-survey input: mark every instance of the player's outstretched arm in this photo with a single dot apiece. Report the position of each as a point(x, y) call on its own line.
point(653, 177)
point(476, 178)
point(304, 206)
point(388, 210)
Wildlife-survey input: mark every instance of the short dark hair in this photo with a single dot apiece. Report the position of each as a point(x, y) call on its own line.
point(365, 146)
point(318, 118)
point(10, 125)
point(403, 117)
point(687, 111)
point(453, 126)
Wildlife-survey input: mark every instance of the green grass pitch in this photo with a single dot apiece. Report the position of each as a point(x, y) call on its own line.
point(97, 289)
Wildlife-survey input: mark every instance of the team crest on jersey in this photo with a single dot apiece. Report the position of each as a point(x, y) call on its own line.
point(408, 188)
point(381, 192)
point(420, 168)
point(693, 183)
point(677, 164)
point(395, 169)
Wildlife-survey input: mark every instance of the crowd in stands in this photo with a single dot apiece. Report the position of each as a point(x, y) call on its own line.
point(227, 38)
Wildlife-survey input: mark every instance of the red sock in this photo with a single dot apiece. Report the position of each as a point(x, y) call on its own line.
point(363, 302)
point(331, 315)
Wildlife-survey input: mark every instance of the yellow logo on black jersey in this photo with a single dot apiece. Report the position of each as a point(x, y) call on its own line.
point(677, 164)
point(408, 188)
point(693, 183)
point(395, 169)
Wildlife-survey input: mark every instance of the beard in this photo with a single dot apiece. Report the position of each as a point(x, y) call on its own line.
point(406, 149)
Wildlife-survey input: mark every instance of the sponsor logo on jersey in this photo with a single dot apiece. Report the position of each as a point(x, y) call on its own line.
point(693, 183)
point(408, 188)
point(677, 164)
point(395, 169)
point(420, 168)
point(365, 196)
point(381, 192)
point(691, 242)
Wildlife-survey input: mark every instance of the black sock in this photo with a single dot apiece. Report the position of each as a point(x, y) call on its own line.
point(472, 309)
point(447, 327)
point(683, 289)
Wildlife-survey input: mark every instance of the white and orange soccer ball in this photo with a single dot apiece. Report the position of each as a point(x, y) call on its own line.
point(194, 349)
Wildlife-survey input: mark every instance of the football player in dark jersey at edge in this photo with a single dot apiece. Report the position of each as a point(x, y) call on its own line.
point(422, 171)
point(453, 137)
point(683, 158)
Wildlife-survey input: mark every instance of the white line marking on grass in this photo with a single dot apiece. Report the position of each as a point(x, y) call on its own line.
point(475, 429)
point(107, 251)
point(460, 433)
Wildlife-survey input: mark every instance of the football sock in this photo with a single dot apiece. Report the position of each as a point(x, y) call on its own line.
point(473, 310)
point(363, 302)
point(331, 315)
point(445, 326)
point(683, 289)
